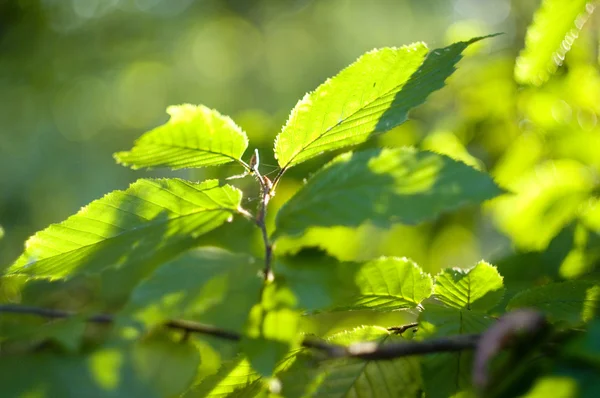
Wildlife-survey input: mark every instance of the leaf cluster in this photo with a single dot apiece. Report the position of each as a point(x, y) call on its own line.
point(125, 299)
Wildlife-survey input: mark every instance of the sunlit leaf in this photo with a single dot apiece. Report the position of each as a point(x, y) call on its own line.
point(149, 368)
point(554, 385)
point(233, 375)
point(381, 284)
point(383, 186)
point(391, 283)
point(572, 302)
point(546, 199)
point(10, 288)
point(208, 284)
point(369, 97)
point(359, 244)
point(353, 378)
point(194, 136)
point(567, 379)
point(144, 225)
point(479, 288)
point(555, 27)
point(448, 144)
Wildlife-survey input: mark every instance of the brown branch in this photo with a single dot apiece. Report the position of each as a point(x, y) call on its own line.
point(366, 350)
point(372, 351)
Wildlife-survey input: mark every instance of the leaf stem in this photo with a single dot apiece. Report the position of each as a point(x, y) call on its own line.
point(266, 192)
point(280, 174)
point(245, 165)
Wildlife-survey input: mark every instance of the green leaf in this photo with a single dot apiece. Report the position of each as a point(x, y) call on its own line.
point(387, 283)
point(369, 97)
point(194, 136)
point(10, 288)
point(556, 25)
point(169, 366)
point(384, 186)
point(391, 283)
point(447, 143)
point(352, 378)
point(144, 226)
point(207, 284)
point(571, 302)
point(445, 374)
point(586, 347)
point(479, 288)
point(66, 332)
point(271, 330)
point(149, 368)
point(255, 390)
point(546, 199)
point(233, 375)
point(567, 380)
point(440, 321)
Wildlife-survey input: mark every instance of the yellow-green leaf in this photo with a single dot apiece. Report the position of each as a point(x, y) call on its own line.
point(194, 136)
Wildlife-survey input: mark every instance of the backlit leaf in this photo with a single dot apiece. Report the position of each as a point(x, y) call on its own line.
point(145, 225)
point(382, 284)
point(233, 375)
point(383, 186)
point(479, 288)
point(546, 199)
point(555, 27)
point(194, 136)
point(369, 97)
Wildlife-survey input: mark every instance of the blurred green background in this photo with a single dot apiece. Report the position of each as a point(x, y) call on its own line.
point(82, 79)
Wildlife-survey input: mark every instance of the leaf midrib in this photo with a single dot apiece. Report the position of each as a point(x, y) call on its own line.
point(185, 147)
point(364, 366)
point(143, 226)
point(339, 123)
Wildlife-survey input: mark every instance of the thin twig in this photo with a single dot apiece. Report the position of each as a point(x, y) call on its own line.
point(366, 350)
point(266, 191)
point(195, 327)
point(245, 213)
point(51, 313)
point(372, 351)
point(403, 328)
